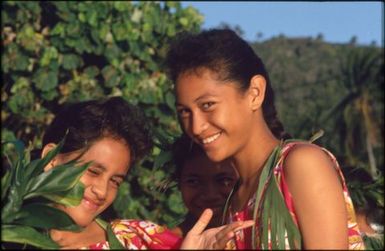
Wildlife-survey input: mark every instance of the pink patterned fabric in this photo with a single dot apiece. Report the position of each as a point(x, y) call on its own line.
point(139, 235)
point(243, 238)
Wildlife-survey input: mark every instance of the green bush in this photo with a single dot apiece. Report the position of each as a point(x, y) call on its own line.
point(56, 52)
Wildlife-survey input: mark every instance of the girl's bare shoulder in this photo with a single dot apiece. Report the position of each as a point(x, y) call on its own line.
point(307, 159)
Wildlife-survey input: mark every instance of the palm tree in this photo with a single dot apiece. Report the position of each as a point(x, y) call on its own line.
point(358, 115)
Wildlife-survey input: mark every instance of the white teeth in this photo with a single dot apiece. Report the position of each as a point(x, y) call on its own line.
point(211, 139)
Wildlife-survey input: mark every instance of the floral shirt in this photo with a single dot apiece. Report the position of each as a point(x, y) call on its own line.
point(139, 235)
point(242, 239)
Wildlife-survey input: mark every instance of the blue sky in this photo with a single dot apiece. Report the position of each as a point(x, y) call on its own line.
point(338, 22)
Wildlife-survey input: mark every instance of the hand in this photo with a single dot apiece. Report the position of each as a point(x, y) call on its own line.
point(214, 238)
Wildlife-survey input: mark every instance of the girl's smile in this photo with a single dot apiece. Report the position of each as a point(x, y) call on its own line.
point(210, 112)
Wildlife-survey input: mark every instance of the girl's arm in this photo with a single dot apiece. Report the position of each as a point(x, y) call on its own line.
point(318, 198)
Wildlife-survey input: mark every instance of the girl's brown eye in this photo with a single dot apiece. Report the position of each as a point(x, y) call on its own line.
point(116, 182)
point(93, 171)
point(191, 182)
point(183, 112)
point(207, 105)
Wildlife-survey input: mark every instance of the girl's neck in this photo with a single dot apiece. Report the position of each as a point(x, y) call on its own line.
point(252, 157)
point(249, 163)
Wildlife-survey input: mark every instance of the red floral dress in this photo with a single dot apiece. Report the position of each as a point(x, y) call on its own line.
point(139, 235)
point(242, 240)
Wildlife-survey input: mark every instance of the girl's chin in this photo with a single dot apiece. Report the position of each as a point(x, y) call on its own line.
point(81, 220)
point(83, 223)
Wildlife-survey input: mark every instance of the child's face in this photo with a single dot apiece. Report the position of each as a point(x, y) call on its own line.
point(110, 162)
point(216, 115)
point(205, 184)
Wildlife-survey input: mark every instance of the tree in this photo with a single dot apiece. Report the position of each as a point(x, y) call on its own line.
point(357, 112)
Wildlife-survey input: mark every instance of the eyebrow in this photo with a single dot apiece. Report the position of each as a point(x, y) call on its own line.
point(197, 99)
point(100, 166)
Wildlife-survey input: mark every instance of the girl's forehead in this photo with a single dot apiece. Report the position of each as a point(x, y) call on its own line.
point(200, 73)
point(192, 87)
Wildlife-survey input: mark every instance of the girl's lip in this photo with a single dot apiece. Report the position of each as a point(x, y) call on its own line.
point(90, 203)
point(209, 140)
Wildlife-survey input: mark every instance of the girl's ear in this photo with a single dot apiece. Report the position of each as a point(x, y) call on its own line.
point(47, 148)
point(257, 91)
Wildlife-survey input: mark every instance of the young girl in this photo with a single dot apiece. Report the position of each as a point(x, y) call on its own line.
point(202, 183)
point(113, 135)
point(293, 190)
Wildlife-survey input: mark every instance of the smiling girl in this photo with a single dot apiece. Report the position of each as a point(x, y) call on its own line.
point(113, 135)
point(293, 190)
point(202, 183)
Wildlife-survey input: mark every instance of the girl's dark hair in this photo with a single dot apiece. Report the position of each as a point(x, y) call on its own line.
point(89, 121)
point(183, 150)
point(225, 53)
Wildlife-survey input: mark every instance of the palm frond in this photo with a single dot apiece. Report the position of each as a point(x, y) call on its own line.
point(23, 220)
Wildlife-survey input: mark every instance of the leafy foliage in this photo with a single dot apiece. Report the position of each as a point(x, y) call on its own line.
point(56, 52)
point(28, 193)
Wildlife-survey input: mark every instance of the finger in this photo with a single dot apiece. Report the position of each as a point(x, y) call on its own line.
point(202, 222)
point(229, 231)
point(221, 243)
point(245, 224)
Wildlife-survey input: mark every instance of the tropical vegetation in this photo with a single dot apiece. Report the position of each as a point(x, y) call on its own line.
point(56, 52)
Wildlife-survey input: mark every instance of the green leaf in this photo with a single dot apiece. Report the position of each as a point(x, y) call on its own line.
point(265, 226)
point(374, 241)
point(20, 84)
point(10, 209)
point(137, 15)
point(183, 21)
point(170, 100)
point(49, 53)
point(71, 61)
point(175, 203)
point(91, 71)
point(162, 158)
point(59, 178)
point(72, 197)
point(37, 166)
point(111, 76)
point(265, 176)
point(45, 80)
point(59, 29)
point(113, 241)
point(281, 221)
point(19, 147)
point(103, 224)
point(44, 216)
point(5, 184)
point(26, 235)
point(275, 219)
